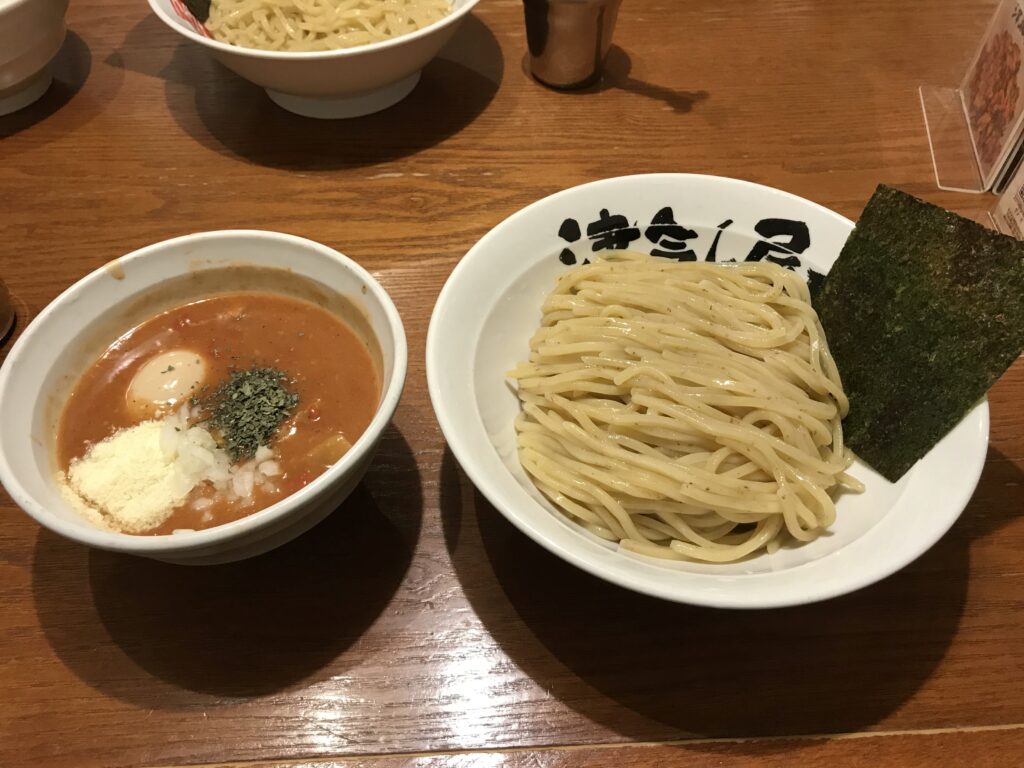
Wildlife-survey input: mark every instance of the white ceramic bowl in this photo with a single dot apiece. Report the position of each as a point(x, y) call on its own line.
point(31, 33)
point(331, 84)
point(43, 362)
point(490, 307)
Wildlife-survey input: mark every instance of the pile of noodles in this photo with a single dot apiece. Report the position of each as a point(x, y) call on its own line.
point(318, 25)
point(684, 410)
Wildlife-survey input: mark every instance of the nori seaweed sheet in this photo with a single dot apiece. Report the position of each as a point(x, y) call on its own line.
point(200, 9)
point(923, 311)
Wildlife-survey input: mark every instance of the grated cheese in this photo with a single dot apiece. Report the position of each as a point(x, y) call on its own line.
point(130, 477)
point(135, 479)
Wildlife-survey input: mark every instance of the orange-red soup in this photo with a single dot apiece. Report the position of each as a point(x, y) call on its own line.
point(328, 365)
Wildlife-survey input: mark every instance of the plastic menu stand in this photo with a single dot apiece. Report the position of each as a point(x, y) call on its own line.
point(949, 139)
point(975, 131)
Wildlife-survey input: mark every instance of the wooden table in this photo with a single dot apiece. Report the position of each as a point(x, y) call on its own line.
point(425, 631)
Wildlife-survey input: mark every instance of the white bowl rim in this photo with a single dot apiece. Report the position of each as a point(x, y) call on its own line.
point(167, 543)
point(339, 53)
point(664, 590)
point(10, 5)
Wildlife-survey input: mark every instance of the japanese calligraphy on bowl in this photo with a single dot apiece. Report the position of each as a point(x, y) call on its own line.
point(779, 240)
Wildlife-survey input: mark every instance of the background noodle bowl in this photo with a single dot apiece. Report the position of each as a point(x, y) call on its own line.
point(319, 25)
point(335, 83)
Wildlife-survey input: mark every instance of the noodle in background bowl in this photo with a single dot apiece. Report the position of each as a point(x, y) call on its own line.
point(343, 83)
point(491, 306)
point(55, 348)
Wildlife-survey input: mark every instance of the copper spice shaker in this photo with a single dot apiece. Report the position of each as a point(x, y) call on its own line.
point(569, 39)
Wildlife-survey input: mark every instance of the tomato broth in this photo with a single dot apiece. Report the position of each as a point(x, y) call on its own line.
point(325, 363)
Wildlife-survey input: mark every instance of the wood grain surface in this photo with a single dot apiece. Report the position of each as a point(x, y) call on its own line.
point(988, 748)
point(415, 620)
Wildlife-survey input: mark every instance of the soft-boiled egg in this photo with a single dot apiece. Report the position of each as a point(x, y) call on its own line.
point(165, 381)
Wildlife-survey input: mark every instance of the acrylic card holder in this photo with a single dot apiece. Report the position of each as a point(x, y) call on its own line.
point(975, 130)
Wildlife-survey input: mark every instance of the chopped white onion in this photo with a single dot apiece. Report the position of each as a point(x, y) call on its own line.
point(169, 440)
point(269, 468)
point(198, 459)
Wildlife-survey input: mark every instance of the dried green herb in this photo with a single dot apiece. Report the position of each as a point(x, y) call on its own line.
point(924, 311)
point(248, 408)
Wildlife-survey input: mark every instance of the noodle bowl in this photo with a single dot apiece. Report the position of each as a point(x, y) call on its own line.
point(685, 410)
point(318, 25)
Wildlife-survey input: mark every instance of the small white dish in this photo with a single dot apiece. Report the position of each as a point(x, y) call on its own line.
point(47, 359)
point(31, 34)
point(490, 307)
point(348, 82)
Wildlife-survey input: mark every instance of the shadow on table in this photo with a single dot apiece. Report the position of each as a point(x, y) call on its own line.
point(235, 630)
point(70, 69)
point(616, 76)
point(228, 114)
point(650, 669)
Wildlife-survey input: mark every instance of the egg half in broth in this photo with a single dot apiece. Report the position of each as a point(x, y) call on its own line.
point(165, 382)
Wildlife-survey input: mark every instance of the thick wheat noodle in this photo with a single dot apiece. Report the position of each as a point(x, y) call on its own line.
point(684, 410)
point(318, 25)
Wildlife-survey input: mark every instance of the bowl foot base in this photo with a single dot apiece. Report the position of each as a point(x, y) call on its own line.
point(25, 93)
point(336, 108)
